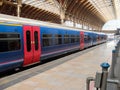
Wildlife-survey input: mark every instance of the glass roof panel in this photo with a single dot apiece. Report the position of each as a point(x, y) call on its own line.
point(117, 7)
point(48, 5)
point(105, 7)
point(109, 9)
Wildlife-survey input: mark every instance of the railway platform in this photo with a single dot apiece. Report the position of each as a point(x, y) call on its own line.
point(66, 73)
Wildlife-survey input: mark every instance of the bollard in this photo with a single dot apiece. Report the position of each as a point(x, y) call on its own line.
point(88, 82)
point(105, 67)
point(113, 63)
point(117, 50)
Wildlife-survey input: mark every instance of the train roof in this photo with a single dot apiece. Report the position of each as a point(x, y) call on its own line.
point(7, 19)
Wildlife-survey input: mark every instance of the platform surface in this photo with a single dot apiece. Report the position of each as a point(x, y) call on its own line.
point(70, 75)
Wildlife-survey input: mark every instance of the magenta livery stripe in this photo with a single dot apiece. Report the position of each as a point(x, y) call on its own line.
point(10, 62)
point(59, 51)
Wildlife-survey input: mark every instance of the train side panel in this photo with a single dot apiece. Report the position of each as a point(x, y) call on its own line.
point(55, 41)
point(94, 35)
point(25, 45)
point(11, 47)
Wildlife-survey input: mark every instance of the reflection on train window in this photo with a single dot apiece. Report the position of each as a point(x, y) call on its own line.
point(102, 38)
point(94, 39)
point(89, 38)
point(77, 38)
point(58, 39)
point(9, 35)
point(47, 40)
point(86, 37)
point(9, 42)
point(36, 40)
point(28, 40)
point(66, 39)
point(72, 38)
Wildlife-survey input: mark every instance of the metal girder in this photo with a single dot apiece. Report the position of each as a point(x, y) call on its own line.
point(106, 31)
point(1, 2)
point(76, 10)
point(85, 12)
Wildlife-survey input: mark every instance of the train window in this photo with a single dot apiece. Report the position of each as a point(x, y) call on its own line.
point(58, 39)
point(77, 39)
point(5, 35)
point(47, 40)
point(89, 38)
point(101, 38)
point(94, 38)
point(9, 42)
point(86, 37)
point(72, 38)
point(66, 39)
point(36, 40)
point(28, 39)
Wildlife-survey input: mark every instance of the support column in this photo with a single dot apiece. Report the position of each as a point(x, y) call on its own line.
point(62, 15)
point(19, 4)
point(74, 22)
point(88, 26)
point(1, 2)
point(82, 25)
point(18, 10)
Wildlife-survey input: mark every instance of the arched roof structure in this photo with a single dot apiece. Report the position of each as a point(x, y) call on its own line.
point(91, 13)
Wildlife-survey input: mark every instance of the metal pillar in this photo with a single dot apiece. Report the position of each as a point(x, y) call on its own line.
point(19, 4)
point(74, 24)
point(18, 10)
point(105, 67)
point(113, 63)
point(62, 15)
point(1, 2)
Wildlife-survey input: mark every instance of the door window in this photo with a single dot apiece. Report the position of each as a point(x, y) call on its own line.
point(28, 39)
point(36, 40)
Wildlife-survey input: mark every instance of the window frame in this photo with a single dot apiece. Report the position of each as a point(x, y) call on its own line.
point(66, 39)
point(58, 39)
point(47, 38)
point(16, 39)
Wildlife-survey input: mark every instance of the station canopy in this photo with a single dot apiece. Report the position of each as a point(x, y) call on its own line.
point(107, 8)
point(91, 13)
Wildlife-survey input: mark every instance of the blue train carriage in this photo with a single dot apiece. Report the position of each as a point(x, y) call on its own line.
point(56, 41)
point(25, 44)
point(101, 38)
point(88, 39)
point(11, 46)
point(104, 36)
point(95, 38)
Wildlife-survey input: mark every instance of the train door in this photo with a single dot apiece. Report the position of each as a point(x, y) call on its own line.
point(32, 48)
point(81, 40)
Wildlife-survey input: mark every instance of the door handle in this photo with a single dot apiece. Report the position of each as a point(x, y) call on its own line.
point(32, 42)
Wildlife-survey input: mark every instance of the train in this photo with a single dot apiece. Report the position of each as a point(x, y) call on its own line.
point(24, 42)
